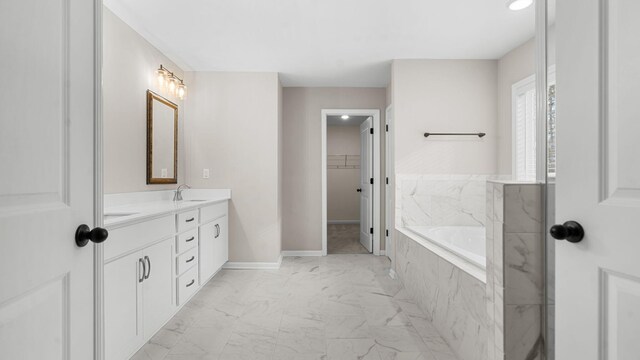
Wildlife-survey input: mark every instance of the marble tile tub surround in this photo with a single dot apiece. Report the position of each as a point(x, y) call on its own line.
point(441, 200)
point(502, 318)
point(325, 308)
point(451, 298)
point(515, 274)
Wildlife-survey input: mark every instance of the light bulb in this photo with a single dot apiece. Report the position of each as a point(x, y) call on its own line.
point(182, 89)
point(161, 77)
point(345, 117)
point(172, 85)
point(516, 5)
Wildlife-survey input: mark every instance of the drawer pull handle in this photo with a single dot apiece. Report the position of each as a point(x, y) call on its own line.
point(144, 270)
point(190, 260)
point(149, 268)
point(190, 220)
point(217, 231)
point(190, 239)
point(191, 283)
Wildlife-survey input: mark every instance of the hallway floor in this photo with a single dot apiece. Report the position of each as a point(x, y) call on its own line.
point(344, 239)
point(312, 308)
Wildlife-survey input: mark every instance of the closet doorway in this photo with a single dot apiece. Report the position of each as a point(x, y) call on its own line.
point(351, 199)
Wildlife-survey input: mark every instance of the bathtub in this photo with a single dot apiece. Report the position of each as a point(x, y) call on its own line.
point(463, 246)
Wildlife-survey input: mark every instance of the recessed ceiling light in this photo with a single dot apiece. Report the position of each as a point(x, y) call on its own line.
point(516, 5)
point(345, 117)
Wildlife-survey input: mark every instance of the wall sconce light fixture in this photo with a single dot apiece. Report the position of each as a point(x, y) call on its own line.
point(168, 80)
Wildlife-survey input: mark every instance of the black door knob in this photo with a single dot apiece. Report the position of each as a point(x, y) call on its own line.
point(84, 234)
point(570, 231)
point(359, 190)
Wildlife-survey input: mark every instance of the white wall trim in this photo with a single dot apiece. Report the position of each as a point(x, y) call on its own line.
point(338, 222)
point(377, 175)
point(238, 265)
point(383, 252)
point(302, 253)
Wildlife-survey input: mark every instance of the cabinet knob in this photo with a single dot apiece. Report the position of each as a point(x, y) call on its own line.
point(84, 234)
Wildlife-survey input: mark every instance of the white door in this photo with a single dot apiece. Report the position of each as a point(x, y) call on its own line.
point(366, 177)
point(389, 191)
point(598, 179)
point(46, 181)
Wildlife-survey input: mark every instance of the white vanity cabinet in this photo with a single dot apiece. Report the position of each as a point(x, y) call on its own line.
point(122, 299)
point(221, 243)
point(153, 267)
point(138, 297)
point(214, 240)
point(158, 302)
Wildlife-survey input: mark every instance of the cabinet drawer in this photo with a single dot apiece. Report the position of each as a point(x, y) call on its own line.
point(213, 212)
point(187, 285)
point(187, 260)
point(187, 220)
point(187, 240)
point(124, 239)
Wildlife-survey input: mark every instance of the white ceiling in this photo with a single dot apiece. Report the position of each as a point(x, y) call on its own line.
point(324, 42)
point(354, 120)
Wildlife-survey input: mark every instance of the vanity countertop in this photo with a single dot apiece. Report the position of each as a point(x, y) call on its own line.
point(130, 208)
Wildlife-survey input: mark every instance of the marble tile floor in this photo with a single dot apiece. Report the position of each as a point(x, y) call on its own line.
point(312, 308)
point(344, 239)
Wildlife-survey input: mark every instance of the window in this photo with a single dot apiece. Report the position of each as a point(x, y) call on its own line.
point(524, 129)
point(525, 126)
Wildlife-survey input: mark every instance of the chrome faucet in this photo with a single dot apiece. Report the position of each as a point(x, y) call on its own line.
point(178, 194)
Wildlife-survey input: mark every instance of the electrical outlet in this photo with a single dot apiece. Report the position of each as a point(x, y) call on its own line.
point(205, 173)
point(164, 173)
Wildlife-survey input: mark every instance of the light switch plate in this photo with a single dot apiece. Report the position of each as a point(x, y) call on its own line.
point(205, 173)
point(164, 173)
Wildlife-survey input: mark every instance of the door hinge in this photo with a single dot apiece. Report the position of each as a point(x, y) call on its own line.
point(387, 231)
point(371, 181)
point(386, 127)
point(371, 131)
point(371, 230)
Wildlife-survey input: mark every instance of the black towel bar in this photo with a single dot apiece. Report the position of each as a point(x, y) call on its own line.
point(462, 134)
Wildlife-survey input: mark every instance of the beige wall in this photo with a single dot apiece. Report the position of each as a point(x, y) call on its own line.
point(302, 202)
point(514, 66)
point(129, 65)
point(445, 96)
point(343, 202)
point(234, 131)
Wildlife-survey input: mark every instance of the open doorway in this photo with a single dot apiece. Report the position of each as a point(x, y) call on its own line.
point(350, 170)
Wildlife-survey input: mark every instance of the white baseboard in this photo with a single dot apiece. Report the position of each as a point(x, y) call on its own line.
point(339, 222)
point(383, 252)
point(254, 265)
point(302, 253)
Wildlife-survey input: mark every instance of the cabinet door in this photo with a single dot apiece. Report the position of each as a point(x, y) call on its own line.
point(122, 301)
point(221, 243)
point(157, 287)
point(207, 236)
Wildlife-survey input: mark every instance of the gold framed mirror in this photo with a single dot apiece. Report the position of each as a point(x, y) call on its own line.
point(162, 140)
